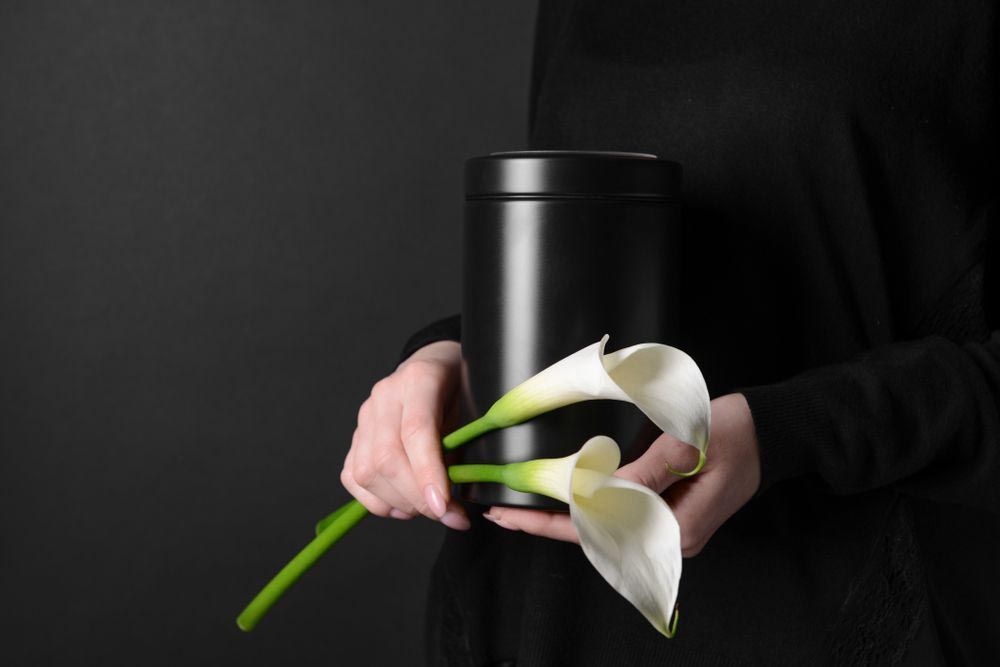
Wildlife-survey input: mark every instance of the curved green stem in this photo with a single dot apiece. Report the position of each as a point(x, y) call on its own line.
point(330, 529)
point(330, 518)
point(348, 517)
point(691, 473)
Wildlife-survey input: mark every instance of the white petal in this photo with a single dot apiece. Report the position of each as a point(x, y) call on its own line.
point(662, 381)
point(548, 477)
point(581, 473)
point(666, 384)
point(632, 539)
point(578, 377)
point(600, 454)
point(626, 530)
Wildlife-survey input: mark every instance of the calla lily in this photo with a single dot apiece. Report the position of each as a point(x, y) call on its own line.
point(627, 530)
point(662, 381)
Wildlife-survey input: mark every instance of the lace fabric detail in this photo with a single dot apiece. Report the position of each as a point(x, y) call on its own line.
point(887, 605)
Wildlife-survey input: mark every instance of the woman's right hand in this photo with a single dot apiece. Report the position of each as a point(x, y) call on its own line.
point(395, 466)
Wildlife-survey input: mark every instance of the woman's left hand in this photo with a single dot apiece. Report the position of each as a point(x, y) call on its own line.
point(701, 503)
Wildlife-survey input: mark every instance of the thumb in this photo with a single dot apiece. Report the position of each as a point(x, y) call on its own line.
point(650, 469)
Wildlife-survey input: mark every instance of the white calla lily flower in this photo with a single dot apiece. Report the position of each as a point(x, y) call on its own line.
point(627, 530)
point(662, 381)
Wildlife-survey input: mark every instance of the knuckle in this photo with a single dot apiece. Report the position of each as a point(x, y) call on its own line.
point(364, 473)
point(381, 388)
point(388, 463)
point(364, 410)
point(645, 478)
point(414, 424)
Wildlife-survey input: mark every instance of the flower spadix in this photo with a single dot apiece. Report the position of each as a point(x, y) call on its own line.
point(627, 530)
point(662, 381)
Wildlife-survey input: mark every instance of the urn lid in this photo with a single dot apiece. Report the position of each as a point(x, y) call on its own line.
point(568, 174)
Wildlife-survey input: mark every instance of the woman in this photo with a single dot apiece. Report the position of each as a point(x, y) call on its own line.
point(841, 292)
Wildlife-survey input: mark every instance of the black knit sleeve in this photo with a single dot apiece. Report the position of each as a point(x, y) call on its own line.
point(449, 328)
point(924, 415)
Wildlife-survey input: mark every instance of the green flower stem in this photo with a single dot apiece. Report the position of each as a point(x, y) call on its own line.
point(470, 431)
point(331, 529)
point(477, 472)
point(513, 475)
point(330, 518)
point(349, 516)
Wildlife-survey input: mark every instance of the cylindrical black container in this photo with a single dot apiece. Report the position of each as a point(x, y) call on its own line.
point(561, 247)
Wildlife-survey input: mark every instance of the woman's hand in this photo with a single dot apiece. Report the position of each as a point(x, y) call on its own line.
point(395, 466)
point(701, 503)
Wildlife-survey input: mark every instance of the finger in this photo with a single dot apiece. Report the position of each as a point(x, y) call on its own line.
point(651, 470)
point(373, 451)
point(373, 504)
point(696, 508)
point(422, 411)
point(360, 441)
point(554, 525)
point(456, 517)
point(348, 476)
point(395, 481)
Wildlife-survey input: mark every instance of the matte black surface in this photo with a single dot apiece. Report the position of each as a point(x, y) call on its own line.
point(218, 223)
point(545, 277)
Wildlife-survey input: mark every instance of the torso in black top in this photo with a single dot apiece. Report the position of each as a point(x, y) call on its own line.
point(840, 178)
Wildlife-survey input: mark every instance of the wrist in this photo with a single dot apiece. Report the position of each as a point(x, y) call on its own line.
point(446, 352)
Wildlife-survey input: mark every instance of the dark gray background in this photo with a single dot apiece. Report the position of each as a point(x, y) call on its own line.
point(218, 223)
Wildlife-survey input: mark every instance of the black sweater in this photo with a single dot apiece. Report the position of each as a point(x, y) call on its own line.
point(841, 270)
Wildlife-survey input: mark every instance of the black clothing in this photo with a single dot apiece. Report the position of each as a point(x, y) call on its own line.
point(841, 270)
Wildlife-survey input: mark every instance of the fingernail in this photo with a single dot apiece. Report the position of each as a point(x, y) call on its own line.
point(455, 521)
point(435, 500)
point(498, 521)
point(398, 514)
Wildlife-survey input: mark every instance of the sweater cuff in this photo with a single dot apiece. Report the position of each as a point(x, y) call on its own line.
point(788, 417)
point(449, 328)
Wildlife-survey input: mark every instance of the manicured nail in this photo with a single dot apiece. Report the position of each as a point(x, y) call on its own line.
point(498, 521)
point(435, 500)
point(455, 521)
point(398, 514)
